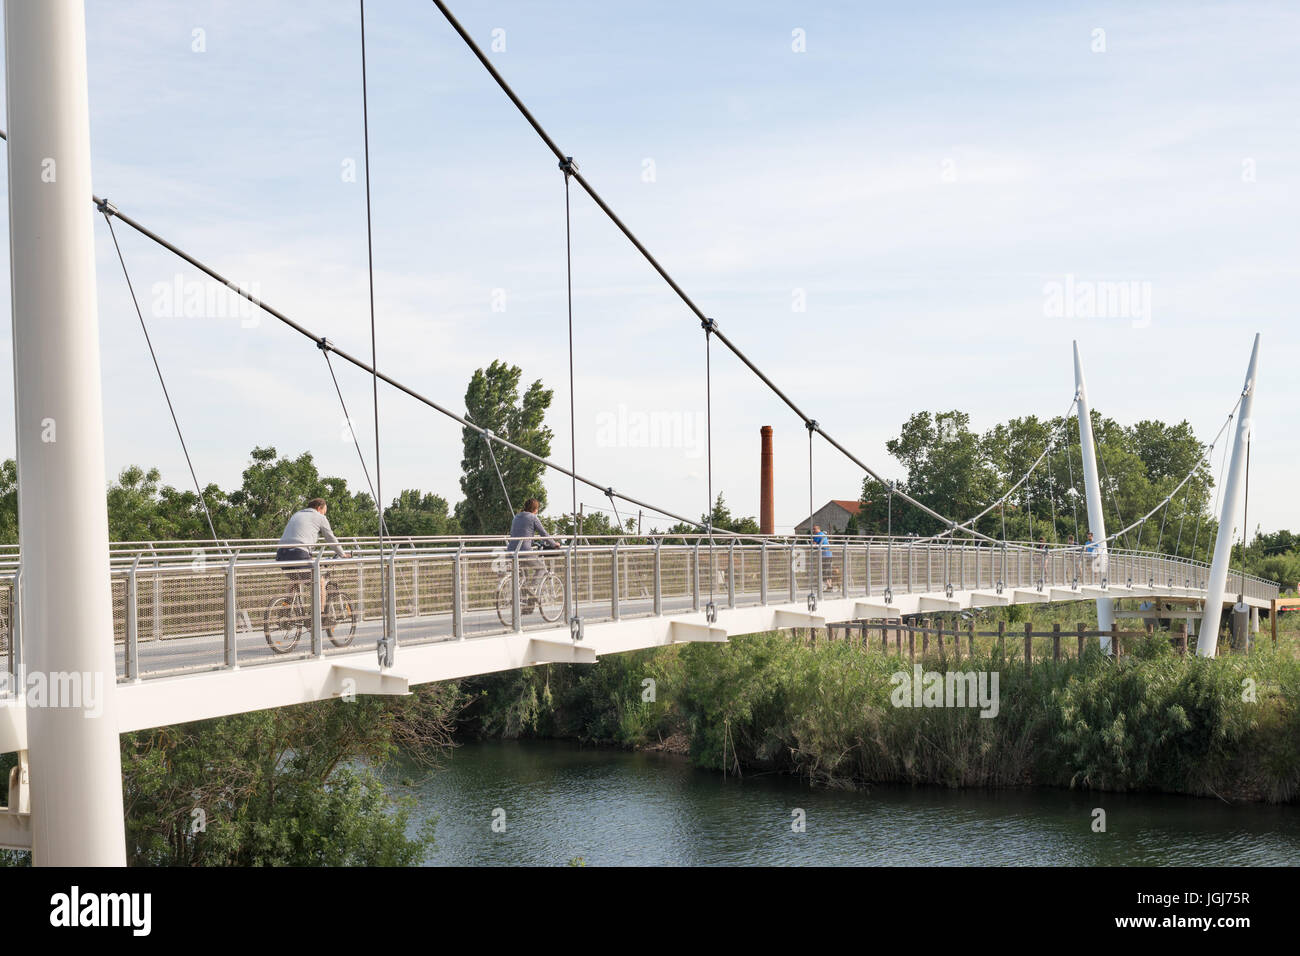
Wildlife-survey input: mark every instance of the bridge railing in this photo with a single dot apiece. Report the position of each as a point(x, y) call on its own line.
point(184, 609)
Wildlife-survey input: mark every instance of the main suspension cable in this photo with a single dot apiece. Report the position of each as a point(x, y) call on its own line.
point(663, 273)
point(366, 367)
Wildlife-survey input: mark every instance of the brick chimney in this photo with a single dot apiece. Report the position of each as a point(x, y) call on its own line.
point(767, 507)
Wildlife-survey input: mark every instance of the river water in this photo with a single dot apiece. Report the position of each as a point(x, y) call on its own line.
point(552, 802)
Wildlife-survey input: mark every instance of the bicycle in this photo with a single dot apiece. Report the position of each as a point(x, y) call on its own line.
point(288, 616)
point(546, 595)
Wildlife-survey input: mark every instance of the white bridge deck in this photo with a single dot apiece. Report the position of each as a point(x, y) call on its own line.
point(189, 620)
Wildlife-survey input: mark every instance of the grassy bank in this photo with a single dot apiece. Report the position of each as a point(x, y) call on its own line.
point(1151, 721)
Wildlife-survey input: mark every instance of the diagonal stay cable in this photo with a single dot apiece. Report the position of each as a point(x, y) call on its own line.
point(1205, 451)
point(157, 368)
point(324, 349)
point(1110, 486)
point(663, 273)
point(969, 522)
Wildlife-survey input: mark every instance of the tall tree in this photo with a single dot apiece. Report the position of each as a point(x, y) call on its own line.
point(723, 520)
point(419, 514)
point(959, 473)
point(274, 488)
point(492, 401)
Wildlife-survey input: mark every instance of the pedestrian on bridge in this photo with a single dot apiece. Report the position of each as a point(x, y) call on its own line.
point(827, 557)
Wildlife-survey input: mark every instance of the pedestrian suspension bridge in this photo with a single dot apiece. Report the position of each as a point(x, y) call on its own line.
point(168, 632)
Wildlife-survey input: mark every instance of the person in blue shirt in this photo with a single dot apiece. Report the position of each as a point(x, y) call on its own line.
point(1091, 550)
point(828, 565)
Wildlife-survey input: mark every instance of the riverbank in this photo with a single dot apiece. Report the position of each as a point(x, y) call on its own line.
point(835, 714)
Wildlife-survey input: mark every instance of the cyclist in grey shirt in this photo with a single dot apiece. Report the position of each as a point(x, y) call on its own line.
point(304, 529)
point(525, 525)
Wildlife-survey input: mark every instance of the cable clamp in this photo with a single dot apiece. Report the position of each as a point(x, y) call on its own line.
point(488, 433)
point(568, 165)
point(709, 326)
point(609, 493)
point(711, 613)
point(812, 425)
point(812, 602)
point(106, 207)
point(324, 344)
point(575, 628)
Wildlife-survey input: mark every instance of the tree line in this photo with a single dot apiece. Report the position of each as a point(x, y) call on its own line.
point(959, 472)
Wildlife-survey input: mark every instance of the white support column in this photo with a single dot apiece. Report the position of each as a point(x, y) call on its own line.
point(1215, 590)
point(76, 774)
point(1092, 486)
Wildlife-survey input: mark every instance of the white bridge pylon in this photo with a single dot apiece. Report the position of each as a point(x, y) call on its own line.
point(1233, 489)
point(1092, 489)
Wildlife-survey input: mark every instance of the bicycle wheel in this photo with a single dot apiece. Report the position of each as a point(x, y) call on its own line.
point(550, 597)
point(506, 601)
point(282, 625)
point(343, 626)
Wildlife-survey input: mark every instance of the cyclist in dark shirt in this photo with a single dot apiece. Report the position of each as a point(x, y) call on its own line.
point(525, 526)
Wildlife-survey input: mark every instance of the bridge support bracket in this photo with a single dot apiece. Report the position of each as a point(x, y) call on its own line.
point(798, 619)
point(359, 680)
point(865, 611)
point(1022, 596)
point(543, 651)
point(928, 602)
point(16, 819)
point(685, 632)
